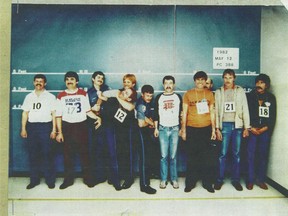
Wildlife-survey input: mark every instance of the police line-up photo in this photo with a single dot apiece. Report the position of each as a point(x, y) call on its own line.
point(145, 108)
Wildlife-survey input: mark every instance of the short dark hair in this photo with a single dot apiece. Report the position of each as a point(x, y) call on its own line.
point(71, 74)
point(40, 76)
point(168, 78)
point(98, 73)
point(200, 74)
point(230, 72)
point(147, 89)
point(265, 78)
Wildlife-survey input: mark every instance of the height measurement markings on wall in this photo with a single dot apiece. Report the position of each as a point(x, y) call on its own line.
point(224, 58)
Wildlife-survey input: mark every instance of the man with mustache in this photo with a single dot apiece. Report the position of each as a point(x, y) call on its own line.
point(232, 123)
point(168, 108)
point(39, 127)
point(71, 115)
point(262, 108)
point(99, 150)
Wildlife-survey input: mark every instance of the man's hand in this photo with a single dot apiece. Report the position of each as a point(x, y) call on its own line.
point(156, 132)
point(23, 133)
point(98, 123)
point(60, 138)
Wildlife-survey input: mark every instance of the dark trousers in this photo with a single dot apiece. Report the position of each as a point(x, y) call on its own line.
point(145, 151)
point(76, 141)
point(124, 137)
point(40, 148)
point(201, 159)
point(110, 138)
point(99, 154)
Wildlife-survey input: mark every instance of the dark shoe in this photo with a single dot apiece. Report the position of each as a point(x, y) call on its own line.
point(89, 183)
point(263, 186)
point(66, 184)
point(218, 185)
point(127, 184)
point(96, 182)
point(117, 187)
point(249, 186)
point(148, 190)
point(209, 188)
point(51, 185)
point(237, 186)
point(32, 185)
point(189, 187)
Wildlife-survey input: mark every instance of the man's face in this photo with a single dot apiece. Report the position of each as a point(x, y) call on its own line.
point(168, 86)
point(125, 94)
point(98, 80)
point(71, 83)
point(260, 86)
point(147, 97)
point(39, 84)
point(200, 83)
point(228, 81)
point(128, 84)
point(208, 84)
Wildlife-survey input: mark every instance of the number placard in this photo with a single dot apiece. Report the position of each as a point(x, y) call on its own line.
point(264, 112)
point(120, 115)
point(229, 107)
point(202, 107)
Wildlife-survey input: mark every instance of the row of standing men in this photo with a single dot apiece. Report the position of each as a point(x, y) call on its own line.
point(198, 118)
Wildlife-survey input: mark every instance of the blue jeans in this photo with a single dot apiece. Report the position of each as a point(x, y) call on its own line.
point(168, 137)
point(232, 135)
point(257, 145)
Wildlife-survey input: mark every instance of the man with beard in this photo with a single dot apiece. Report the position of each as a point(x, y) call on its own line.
point(39, 127)
point(262, 108)
point(71, 115)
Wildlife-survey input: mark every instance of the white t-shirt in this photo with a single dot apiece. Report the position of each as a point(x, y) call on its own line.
point(73, 106)
point(39, 107)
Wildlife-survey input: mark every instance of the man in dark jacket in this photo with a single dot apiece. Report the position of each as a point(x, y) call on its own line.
point(262, 109)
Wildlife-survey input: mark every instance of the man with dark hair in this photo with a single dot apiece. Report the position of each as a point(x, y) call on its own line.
point(232, 123)
point(39, 127)
point(209, 84)
point(262, 108)
point(146, 125)
point(198, 128)
point(98, 153)
point(72, 111)
point(168, 108)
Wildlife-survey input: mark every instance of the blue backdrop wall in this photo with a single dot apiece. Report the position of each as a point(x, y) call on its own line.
point(149, 41)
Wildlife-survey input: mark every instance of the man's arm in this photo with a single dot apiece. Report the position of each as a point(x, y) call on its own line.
point(59, 137)
point(125, 104)
point(212, 116)
point(184, 121)
point(23, 124)
point(54, 127)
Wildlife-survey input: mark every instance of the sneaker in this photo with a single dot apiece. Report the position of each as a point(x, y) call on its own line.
point(175, 184)
point(263, 186)
point(249, 186)
point(163, 184)
point(237, 186)
point(51, 185)
point(218, 185)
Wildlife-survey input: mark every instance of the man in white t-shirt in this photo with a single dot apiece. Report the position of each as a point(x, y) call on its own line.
point(168, 108)
point(39, 127)
point(71, 115)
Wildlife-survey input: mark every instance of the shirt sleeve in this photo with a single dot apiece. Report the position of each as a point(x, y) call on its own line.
point(141, 111)
point(110, 93)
